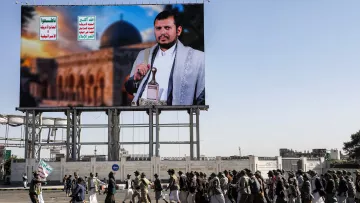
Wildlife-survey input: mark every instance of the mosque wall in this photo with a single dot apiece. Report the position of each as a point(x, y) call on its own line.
point(160, 166)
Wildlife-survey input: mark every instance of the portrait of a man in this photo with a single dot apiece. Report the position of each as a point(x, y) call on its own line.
point(180, 69)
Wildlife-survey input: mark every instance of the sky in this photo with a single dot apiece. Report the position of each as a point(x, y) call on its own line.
point(140, 16)
point(279, 74)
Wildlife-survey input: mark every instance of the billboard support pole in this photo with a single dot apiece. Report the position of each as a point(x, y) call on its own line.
point(113, 134)
point(32, 134)
point(110, 130)
point(68, 136)
point(117, 134)
point(191, 116)
point(157, 133)
point(26, 154)
point(197, 134)
point(151, 131)
point(73, 135)
point(78, 133)
point(38, 129)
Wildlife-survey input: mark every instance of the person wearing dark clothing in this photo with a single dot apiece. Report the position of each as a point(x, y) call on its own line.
point(271, 185)
point(201, 188)
point(244, 188)
point(234, 189)
point(323, 180)
point(78, 195)
point(35, 188)
point(158, 189)
point(351, 190)
point(293, 191)
point(262, 186)
point(280, 188)
point(256, 194)
point(357, 186)
point(343, 188)
point(110, 196)
point(231, 188)
point(330, 189)
point(183, 187)
point(192, 187)
point(68, 186)
point(306, 192)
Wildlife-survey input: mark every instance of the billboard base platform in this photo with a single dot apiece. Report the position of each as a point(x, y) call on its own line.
point(34, 123)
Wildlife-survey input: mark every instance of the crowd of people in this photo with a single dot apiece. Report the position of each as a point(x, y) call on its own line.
point(234, 186)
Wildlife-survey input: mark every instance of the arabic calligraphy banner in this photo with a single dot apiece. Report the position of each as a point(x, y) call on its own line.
point(48, 28)
point(92, 55)
point(44, 169)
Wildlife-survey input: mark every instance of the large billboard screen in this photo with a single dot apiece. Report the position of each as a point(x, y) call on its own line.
point(112, 55)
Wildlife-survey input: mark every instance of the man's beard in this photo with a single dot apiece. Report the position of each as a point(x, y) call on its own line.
point(167, 45)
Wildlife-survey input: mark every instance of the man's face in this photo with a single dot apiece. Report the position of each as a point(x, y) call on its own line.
point(166, 32)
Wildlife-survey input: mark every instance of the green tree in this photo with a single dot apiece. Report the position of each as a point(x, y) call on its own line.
point(352, 148)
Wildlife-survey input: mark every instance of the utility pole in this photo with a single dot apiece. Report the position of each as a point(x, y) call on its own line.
point(239, 151)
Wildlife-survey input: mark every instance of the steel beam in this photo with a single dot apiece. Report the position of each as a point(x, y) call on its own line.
point(122, 143)
point(142, 125)
point(197, 134)
point(157, 149)
point(113, 135)
point(151, 131)
point(27, 147)
point(191, 118)
point(120, 108)
point(68, 136)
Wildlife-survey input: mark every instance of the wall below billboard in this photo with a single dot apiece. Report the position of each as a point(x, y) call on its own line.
point(160, 166)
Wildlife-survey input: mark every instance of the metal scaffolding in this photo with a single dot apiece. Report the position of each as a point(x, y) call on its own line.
point(73, 143)
point(32, 134)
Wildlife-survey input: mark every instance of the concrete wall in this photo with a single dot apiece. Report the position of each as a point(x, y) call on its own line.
point(158, 165)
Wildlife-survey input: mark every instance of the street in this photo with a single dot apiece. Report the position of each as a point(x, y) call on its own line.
point(22, 196)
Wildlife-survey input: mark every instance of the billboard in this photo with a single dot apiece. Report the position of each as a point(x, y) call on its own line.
point(112, 55)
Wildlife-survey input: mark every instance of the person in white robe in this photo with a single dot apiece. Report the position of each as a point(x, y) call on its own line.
point(128, 188)
point(315, 188)
point(93, 185)
point(180, 69)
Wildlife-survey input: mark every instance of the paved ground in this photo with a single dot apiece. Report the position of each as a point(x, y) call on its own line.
point(10, 188)
point(58, 196)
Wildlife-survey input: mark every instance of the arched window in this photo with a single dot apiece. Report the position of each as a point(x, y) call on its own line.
point(90, 85)
point(81, 89)
point(102, 90)
point(60, 90)
point(72, 93)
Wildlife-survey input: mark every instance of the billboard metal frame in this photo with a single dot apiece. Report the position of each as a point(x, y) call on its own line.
point(73, 144)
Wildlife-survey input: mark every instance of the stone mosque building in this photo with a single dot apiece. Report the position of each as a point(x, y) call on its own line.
point(94, 78)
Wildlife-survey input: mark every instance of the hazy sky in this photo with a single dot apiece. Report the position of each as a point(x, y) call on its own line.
point(279, 74)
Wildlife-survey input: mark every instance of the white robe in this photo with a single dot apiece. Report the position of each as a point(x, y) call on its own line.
point(40, 197)
point(92, 196)
point(317, 197)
